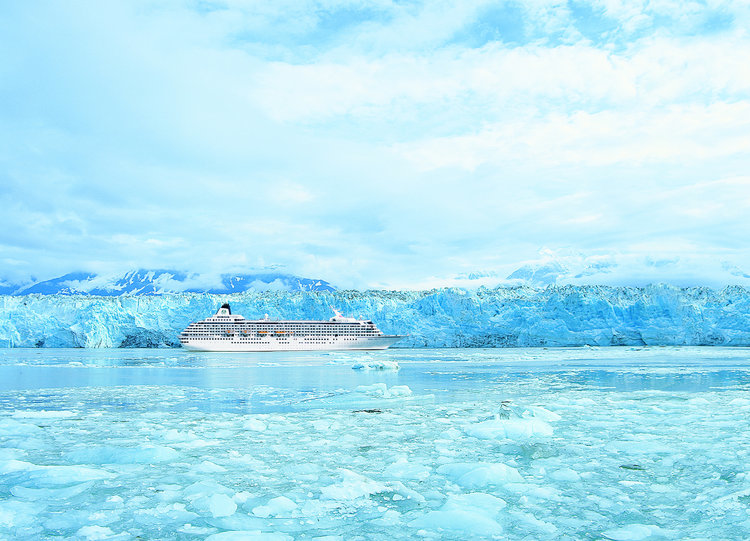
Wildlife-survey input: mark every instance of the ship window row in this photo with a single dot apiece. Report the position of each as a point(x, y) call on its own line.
point(312, 326)
point(240, 335)
point(262, 326)
point(266, 337)
point(285, 325)
point(337, 332)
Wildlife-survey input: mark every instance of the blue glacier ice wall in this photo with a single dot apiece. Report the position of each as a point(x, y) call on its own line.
point(501, 317)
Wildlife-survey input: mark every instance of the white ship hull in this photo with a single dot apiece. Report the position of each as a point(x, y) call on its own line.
point(227, 332)
point(292, 344)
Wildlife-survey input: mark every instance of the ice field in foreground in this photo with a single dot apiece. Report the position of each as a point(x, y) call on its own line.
point(455, 444)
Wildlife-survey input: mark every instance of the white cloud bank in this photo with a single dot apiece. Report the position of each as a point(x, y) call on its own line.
point(374, 144)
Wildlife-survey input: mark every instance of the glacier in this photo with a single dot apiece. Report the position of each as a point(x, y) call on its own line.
point(556, 316)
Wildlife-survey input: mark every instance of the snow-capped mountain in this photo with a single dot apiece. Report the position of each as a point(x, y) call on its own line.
point(8, 288)
point(160, 281)
point(611, 270)
point(539, 274)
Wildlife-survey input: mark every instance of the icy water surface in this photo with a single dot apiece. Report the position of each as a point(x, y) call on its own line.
point(611, 443)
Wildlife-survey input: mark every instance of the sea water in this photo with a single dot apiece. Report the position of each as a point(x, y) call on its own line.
point(610, 443)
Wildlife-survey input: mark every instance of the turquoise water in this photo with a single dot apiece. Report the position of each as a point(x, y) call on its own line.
point(610, 443)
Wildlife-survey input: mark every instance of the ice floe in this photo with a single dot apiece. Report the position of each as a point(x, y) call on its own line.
point(472, 514)
point(536, 455)
point(351, 486)
point(634, 532)
point(249, 535)
point(376, 365)
point(279, 506)
point(105, 454)
point(510, 429)
point(364, 397)
point(480, 474)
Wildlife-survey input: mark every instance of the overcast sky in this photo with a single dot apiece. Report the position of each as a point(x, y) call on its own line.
point(374, 144)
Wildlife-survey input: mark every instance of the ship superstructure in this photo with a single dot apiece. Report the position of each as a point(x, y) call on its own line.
point(225, 331)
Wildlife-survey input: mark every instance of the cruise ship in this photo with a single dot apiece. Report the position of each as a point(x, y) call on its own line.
point(225, 331)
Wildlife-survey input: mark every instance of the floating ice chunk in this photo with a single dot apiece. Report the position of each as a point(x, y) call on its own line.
point(13, 465)
point(254, 424)
point(26, 493)
point(43, 414)
point(195, 530)
point(248, 461)
point(174, 512)
point(735, 495)
point(367, 397)
point(381, 390)
point(543, 493)
point(238, 521)
point(242, 497)
point(45, 476)
point(544, 414)
point(147, 454)
point(95, 533)
point(249, 535)
point(450, 434)
point(281, 506)
point(321, 425)
point(403, 492)
point(168, 493)
point(174, 435)
point(530, 521)
point(478, 500)
point(470, 522)
point(221, 505)
point(471, 514)
point(480, 474)
point(510, 429)
point(14, 513)
point(208, 467)
point(217, 505)
point(205, 488)
point(352, 486)
point(633, 532)
point(565, 474)
point(11, 427)
point(376, 365)
point(390, 518)
point(8, 453)
point(402, 469)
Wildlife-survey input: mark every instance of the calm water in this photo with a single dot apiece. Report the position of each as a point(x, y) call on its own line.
point(614, 443)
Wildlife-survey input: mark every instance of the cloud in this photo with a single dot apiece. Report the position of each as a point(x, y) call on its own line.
point(679, 134)
point(370, 143)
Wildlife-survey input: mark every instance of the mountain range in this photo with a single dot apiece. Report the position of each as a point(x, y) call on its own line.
point(160, 281)
point(549, 270)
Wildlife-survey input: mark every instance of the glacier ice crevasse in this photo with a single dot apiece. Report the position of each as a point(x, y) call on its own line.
point(449, 317)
